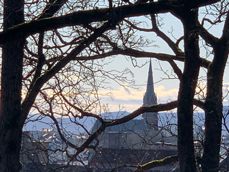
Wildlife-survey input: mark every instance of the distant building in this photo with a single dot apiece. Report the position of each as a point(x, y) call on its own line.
point(150, 98)
point(32, 151)
point(224, 164)
point(135, 142)
point(44, 151)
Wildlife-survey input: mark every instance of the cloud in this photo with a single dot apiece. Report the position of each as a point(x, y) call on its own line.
point(226, 83)
point(131, 99)
point(163, 92)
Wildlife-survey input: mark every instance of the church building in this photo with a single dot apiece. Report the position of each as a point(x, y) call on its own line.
point(138, 141)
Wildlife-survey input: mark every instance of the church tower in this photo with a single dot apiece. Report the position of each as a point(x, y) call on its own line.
point(151, 118)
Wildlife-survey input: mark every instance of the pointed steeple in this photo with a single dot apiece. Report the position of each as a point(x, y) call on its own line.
point(150, 85)
point(150, 99)
point(150, 96)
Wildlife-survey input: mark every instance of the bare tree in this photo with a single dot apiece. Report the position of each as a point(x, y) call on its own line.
point(66, 34)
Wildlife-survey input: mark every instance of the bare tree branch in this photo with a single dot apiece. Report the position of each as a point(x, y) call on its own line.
point(30, 97)
point(86, 17)
point(157, 163)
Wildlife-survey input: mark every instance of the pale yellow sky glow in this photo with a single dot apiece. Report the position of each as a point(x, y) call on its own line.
point(130, 99)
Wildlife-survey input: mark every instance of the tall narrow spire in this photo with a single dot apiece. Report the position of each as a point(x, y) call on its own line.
point(150, 99)
point(150, 85)
point(150, 96)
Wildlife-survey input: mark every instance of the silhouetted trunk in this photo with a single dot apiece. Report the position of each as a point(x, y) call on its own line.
point(186, 93)
point(214, 106)
point(12, 59)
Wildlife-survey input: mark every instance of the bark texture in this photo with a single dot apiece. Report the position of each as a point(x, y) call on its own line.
point(186, 92)
point(214, 102)
point(12, 59)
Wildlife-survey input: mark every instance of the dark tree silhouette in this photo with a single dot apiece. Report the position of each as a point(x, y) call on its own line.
point(25, 73)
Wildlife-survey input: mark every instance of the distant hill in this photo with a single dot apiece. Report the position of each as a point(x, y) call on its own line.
point(38, 122)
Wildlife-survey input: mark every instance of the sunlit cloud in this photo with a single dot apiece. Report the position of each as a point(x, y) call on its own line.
point(164, 93)
point(131, 99)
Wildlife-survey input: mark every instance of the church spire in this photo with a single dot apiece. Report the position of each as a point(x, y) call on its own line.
point(150, 96)
point(150, 99)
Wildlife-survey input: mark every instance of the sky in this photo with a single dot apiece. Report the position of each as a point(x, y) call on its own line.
point(131, 98)
point(166, 89)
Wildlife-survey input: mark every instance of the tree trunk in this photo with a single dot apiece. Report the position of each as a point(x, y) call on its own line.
point(188, 84)
point(214, 108)
point(11, 84)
